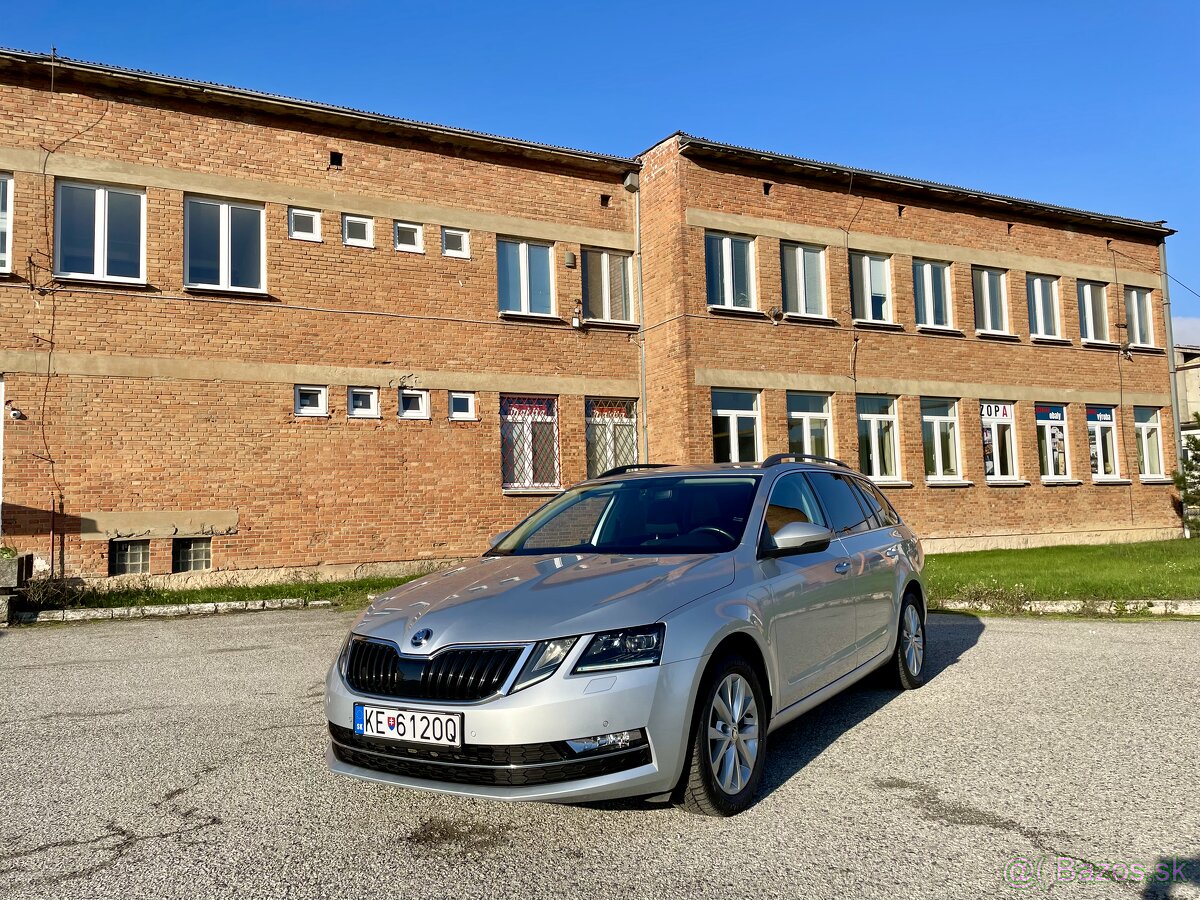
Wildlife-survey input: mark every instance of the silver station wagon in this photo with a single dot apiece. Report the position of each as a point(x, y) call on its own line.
point(642, 633)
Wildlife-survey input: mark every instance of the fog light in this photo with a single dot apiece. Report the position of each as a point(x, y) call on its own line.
point(617, 740)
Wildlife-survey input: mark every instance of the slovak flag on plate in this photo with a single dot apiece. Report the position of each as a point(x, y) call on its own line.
point(391, 723)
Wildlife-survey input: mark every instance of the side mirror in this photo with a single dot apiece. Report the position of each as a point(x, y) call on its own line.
point(800, 537)
point(497, 538)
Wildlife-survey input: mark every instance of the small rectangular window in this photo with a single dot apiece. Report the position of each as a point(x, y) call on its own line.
point(1041, 292)
point(100, 232)
point(606, 288)
point(224, 245)
point(878, 437)
point(999, 446)
point(414, 404)
point(991, 304)
point(408, 237)
point(931, 291)
point(362, 402)
point(524, 277)
point(735, 426)
point(1053, 456)
point(462, 406)
point(358, 231)
point(128, 557)
point(729, 270)
point(304, 224)
point(191, 554)
point(1102, 440)
point(1149, 441)
point(810, 427)
point(939, 433)
point(311, 400)
point(1093, 311)
point(529, 442)
point(456, 242)
point(1139, 317)
point(611, 427)
point(6, 205)
point(803, 269)
point(870, 287)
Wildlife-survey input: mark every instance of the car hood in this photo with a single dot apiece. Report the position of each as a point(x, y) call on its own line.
point(530, 598)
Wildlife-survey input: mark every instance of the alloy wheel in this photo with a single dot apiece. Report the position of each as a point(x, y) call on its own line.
point(912, 640)
point(733, 734)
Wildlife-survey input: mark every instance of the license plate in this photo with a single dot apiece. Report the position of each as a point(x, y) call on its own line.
point(415, 726)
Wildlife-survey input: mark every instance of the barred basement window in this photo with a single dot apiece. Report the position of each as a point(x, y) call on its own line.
point(611, 434)
point(128, 557)
point(191, 554)
point(529, 442)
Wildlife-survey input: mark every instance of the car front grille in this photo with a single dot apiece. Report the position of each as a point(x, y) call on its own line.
point(461, 675)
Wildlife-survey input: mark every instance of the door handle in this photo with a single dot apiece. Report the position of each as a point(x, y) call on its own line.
point(896, 534)
point(842, 568)
point(890, 552)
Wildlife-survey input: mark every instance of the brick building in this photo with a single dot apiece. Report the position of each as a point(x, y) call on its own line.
point(248, 332)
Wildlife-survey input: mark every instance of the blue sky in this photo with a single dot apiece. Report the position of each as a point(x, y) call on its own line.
point(1085, 103)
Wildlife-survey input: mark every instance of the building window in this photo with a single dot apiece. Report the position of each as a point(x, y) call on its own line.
point(1093, 311)
point(611, 434)
point(803, 270)
point(878, 437)
point(128, 557)
point(1052, 441)
point(408, 237)
point(729, 270)
point(462, 406)
point(1149, 441)
point(311, 400)
point(456, 242)
point(931, 289)
point(6, 205)
point(1139, 317)
point(414, 404)
point(870, 287)
point(809, 424)
point(1102, 439)
point(939, 431)
point(606, 287)
point(100, 233)
point(1041, 293)
point(735, 426)
point(304, 224)
point(224, 245)
point(523, 273)
point(999, 447)
point(362, 402)
point(358, 231)
point(991, 306)
point(191, 554)
point(529, 442)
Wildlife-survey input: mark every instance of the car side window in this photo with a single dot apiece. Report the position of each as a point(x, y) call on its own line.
point(878, 504)
point(792, 500)
point(841, 503)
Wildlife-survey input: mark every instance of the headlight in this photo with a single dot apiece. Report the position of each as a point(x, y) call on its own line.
point(545, 658)
point(623, 649)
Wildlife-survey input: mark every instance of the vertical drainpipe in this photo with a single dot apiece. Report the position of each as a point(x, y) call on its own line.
point(642, 398)
point(1176, 430)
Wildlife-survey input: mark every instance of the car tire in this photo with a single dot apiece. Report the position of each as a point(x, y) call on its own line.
point(716, 780)
point(907, 668)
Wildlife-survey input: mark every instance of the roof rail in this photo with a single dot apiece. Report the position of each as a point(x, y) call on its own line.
point(784, 457)
point(621, 470)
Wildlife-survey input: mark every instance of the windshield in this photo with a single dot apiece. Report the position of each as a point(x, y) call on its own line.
point(661, 515)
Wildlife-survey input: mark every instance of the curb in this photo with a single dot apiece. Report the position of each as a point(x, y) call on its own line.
point(166, 610)
point(1108, 609)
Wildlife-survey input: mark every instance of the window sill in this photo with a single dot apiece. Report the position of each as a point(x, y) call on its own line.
point(1099, 345)
point(1155, 479)
point(413, 418)
point(1007, 482)
point(456, 255)
point(1049, 339)
point(737, 311)
point(948, 483)
point(374, 418)
point(1146, 348)
point(297, 415)
point(99, 279)
point(307, 240)
point(358, 246)
point(940, 329)
point(531, 492)
point(463, 419)
point(217, 289)
point(517, 315)
point(881, 326)
point(811, 319)
point(614, 324)
point(891, 483)
point(1061, 482)
point(996, 335)
point(1106, 481)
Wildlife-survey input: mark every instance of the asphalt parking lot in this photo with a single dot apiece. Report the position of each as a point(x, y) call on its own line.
point(184, 758)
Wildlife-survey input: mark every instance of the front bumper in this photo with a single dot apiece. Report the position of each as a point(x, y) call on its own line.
point(514, 745)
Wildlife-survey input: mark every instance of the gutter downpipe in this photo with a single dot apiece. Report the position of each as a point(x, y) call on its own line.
point(643, 400)
point(1177, 431)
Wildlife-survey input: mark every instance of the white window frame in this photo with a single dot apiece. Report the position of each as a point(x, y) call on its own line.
point(1135, 297)
point(370, 413)
point(100, 237)
point(422, 396)
point(469, 415)
point(418, 237)
point(805, 421)
point(1096, 432)
point(1085, 291)
point(994, 414)
point(797, 251)
point(225, 207)
point(6, 222)
point(606, 283)
point(874, 421)
point(321, 390)
point(369, 221)
point(592, 424)
point(986, 297)
point(1035, 294)
point(523, 246)
point(941, 475)
point(465, 252)
point(315, 236)
point(1044, 461)
point(1149, 434)
point(862, 285)
point(727, 269)
point(732, 415)
point(924, 298)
